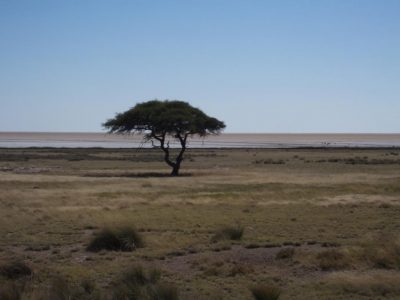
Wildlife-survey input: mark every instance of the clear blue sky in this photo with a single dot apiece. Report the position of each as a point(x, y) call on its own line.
point(261, 66)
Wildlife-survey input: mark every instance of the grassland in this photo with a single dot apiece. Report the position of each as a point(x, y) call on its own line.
point(317, 223)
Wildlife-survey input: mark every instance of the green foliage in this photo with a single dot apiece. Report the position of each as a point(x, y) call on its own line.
point(119, 239)
point(160, 117)
point(159, 120)
point(265, 292)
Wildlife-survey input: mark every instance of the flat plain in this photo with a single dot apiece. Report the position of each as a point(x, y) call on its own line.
point(314, 223)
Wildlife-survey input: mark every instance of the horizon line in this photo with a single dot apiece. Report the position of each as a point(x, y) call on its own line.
point(273, 133)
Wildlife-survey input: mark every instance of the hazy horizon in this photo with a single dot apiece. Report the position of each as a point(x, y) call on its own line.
point(224, 132)
point(227, 140)
point(302, 66)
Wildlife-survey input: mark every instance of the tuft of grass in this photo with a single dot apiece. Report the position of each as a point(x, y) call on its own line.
point(60, 288)
point(136, 283)
point(105, 239)
point(136, 275)
point(119, 239)
point(10, 291)
point(332, 259)
point(382, 253)
point(212, 271)
point(234, 233)
point(88, 286)
point(130, 238)
point(265, 292)
point(15, 270)
point(163, 291)
point(373, 285)
point(241, 269)
point(285, 253)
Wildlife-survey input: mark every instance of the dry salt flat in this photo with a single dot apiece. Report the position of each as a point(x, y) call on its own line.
point(225, 140)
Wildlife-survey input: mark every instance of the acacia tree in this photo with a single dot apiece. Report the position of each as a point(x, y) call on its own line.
point(161, 120)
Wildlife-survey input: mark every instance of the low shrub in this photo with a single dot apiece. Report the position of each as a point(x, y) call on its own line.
point(240, 269)
point(285, 253)
point(137, 276)
point(163, 291)
point(130, 238)
point(382, 253)
point(119, 239)
point(60, 288)
point(229, 233)
point(136, 283)
point(265, 292)
point(15, 270)
point(332, 259)
point(88, 286)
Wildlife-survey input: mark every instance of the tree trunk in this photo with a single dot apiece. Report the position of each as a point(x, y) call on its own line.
point(177, 164)
point(175, 170)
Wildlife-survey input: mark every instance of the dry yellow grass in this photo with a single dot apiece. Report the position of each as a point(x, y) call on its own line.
point(53, 200)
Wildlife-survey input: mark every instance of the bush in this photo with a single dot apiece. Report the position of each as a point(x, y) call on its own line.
point(120, 239)
point(240, 269)
point(383, 253)
point(332, 259)
point(105, 239)
point(285, 253)
point(137, 276)
point(265, 292)
point(88, 286)
point(229, 233)
point(60, 288)
point(130, 238)
point(15, 270)
point(164, 292)
point(135, 283)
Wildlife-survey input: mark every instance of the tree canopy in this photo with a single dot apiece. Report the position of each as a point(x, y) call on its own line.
point(158, 120)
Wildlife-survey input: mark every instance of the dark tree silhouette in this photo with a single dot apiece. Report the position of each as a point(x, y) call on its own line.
point(161, 120)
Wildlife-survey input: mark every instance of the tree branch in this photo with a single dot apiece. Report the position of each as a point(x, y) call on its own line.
point(164, 148)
